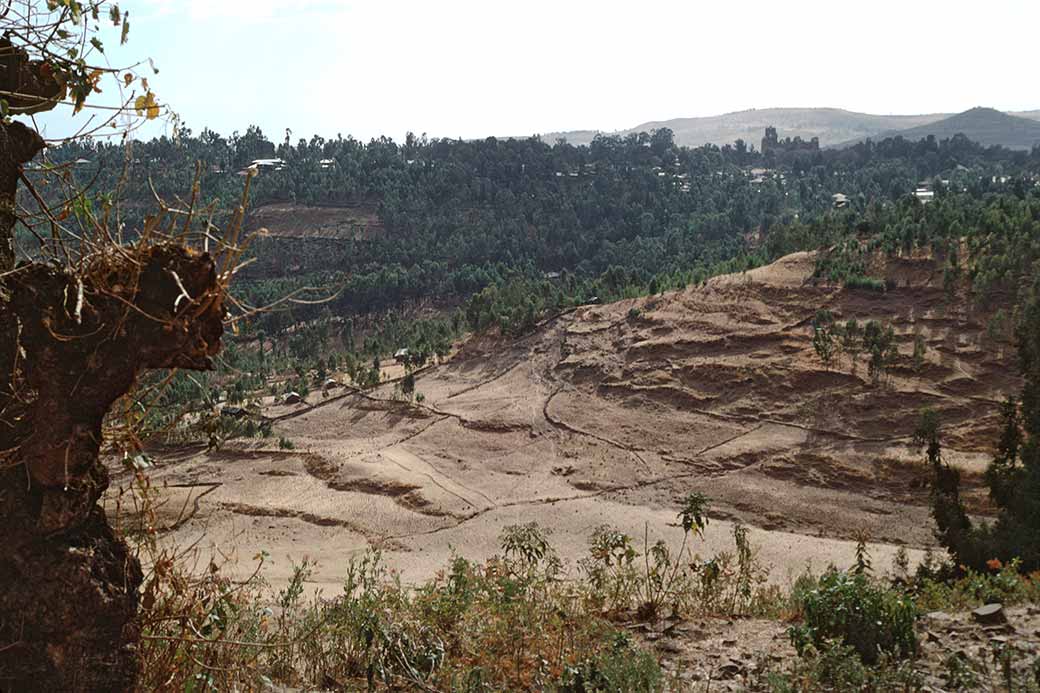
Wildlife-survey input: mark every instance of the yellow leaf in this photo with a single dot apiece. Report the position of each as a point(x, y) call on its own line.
point(147, 106)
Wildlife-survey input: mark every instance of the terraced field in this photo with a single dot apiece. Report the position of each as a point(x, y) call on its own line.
point(609, 415)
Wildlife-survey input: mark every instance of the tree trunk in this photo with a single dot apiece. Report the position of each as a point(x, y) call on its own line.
point(18, 144)
point(70, 345)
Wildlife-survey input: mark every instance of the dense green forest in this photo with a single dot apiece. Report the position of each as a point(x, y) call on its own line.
point(499, 233)
point(621, 215)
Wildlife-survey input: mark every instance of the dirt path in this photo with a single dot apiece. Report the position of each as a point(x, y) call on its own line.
point(411, 462)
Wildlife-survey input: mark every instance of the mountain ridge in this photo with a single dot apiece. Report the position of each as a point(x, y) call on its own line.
point(987, 126)
point(833, 126)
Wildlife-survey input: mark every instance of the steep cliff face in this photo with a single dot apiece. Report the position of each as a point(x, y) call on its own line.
point(71, 344)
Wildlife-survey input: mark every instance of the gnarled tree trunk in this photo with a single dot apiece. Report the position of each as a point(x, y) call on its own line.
point(72, 343)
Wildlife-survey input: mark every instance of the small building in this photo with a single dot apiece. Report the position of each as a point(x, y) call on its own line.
point(401, 355)
point(292, 398)
point(234, 412)
point(924, 194)
point(840, 200)
point(260, 165)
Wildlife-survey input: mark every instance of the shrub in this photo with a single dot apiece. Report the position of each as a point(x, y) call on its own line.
point(867, 283)
point(858, 612)
point(610, 570)
point(527, 550)
point(920, 352)
point(508, 624)
point(621, 668)
point(879, 343)
point(826, 337)
point(838, 668)
point(664, 581)
point(1003, 583)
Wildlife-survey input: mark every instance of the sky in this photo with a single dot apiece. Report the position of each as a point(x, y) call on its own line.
point(474, 68)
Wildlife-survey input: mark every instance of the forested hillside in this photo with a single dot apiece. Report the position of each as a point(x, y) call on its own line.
point(456, 236)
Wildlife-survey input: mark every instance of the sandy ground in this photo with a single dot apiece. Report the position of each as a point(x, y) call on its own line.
point(602, 417)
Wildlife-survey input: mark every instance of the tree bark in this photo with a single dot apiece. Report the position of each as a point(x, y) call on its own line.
point(18, 145)
point(71, 344)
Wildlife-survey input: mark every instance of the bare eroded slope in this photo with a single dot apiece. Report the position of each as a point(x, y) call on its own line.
point(608, 416)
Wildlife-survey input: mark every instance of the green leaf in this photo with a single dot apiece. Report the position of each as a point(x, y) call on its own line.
point(126, 27)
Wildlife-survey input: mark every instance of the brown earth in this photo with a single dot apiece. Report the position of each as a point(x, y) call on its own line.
point(736, 654)
point(608, 416)
point(291, 220)
point(292, 238)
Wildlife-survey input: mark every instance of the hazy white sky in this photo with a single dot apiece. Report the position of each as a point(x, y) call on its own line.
point(472, 68)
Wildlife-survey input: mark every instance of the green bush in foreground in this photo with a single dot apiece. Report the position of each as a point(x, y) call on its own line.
point(839, 668)
point(859, 613)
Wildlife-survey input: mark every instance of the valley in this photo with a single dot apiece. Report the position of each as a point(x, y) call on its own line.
point(310, 382)
point(609, 415)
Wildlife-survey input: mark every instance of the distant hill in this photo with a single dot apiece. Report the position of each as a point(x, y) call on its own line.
point(983, 125)
point(834, 126)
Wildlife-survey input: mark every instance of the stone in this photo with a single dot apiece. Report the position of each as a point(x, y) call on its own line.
point(669, 645)
point(990, 614)
point(730, 670)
